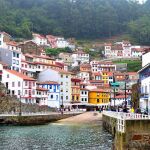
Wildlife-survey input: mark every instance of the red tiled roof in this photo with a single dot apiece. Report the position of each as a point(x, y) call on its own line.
point(96, 81)
point(99, 90)
point(121, 96)
point(117, 47)
point(75, 80)
point(43, 56)
point(47, 82)
point(12, 43)
point(20, 75)
point(28, 55)
point(138, 49)
point(39, 36)
point(41, 89)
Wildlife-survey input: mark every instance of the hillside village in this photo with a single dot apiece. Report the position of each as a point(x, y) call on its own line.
point(71, 80)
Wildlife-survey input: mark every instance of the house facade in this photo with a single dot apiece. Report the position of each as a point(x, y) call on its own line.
point(20, 86)
point(53, 90)
point(63, 78)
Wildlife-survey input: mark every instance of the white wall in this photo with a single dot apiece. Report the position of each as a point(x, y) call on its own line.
point(145, 59)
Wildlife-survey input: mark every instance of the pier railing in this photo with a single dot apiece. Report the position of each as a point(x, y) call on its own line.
point(122, 117)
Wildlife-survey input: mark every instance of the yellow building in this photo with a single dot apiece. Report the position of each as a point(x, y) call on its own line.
point(105, 77)
point(99, 96)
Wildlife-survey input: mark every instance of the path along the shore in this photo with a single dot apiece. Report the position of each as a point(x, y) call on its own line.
point(85, 118)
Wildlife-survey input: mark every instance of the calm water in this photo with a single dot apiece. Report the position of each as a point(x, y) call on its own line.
point(55, 137)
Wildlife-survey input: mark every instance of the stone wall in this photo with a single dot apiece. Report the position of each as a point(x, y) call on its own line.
point(136, 136)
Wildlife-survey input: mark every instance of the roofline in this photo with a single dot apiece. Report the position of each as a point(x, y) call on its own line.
point(144, 68)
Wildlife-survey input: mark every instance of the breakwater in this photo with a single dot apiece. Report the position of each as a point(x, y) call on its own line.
point(34, 119)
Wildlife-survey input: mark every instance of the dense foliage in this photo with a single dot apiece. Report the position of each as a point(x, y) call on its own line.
point(73, 18)
point(56, 51)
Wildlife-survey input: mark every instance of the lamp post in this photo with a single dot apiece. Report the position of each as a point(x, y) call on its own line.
point(126, 78)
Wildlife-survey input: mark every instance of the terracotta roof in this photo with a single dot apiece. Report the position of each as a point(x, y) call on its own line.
point(28, 55)
point(12, 43)
point(43, 56)
point(39, 36)
point(96, 81)
point(117, 47)
point(96, 73)
point(75, 80)
point(47, 82)
point(138, 49)
point(85, 65)
point(110, 73)
point(121, 96)
point(99, 90)
point(27, 62)
point(132, 73)
point(20, 75)
point(41, 89)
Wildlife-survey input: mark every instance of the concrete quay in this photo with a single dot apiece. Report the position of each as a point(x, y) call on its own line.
point(131, 131)
point(35, 118)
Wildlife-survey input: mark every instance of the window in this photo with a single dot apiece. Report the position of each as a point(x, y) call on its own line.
point(7, 75)
point(66, 76)
point(66, 97)
point(97, 100)
point(85, 99)
point(26, 92)
point(82, 99)
point(51, 96)
point(17, 55)
point(82, 92)
point(61, 83)
point(18, 83)
point(61, 76)
point(85, 92)
point(14, 54)
point(26, 83)
point(13, 84)
point(19, 93)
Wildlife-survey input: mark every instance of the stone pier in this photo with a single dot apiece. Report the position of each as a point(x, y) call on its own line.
point(130, 131)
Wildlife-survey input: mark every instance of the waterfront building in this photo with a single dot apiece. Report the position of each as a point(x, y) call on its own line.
point(75, 86)
point(20, 85)
point(41, 96)
point(83, 93)
point(63, 78)
point(99, 97)
point(53, 91)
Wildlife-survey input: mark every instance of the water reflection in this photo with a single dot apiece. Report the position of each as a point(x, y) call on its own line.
point(55, 137)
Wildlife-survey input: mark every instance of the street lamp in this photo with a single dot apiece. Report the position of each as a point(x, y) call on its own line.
point(126, 78)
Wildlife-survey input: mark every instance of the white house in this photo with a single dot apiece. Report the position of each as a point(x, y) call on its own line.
point(80, 57)
point(11, 55)
point(53, 89)
point(136, 52)
point(39, 39)
point(63, 78)
point(85, 75)
point(41, 96)
point(20, 85)
point(83, 94)
point(61, 43)
point(144, 74)
point(145, 59)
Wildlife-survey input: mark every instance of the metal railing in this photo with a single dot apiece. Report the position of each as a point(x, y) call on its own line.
point(122, 117)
